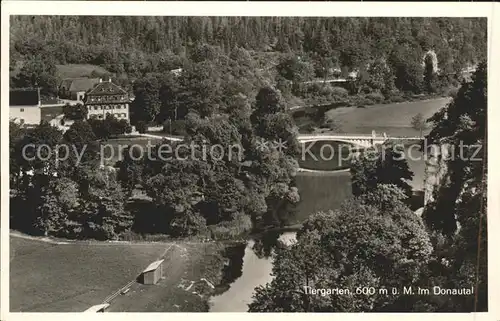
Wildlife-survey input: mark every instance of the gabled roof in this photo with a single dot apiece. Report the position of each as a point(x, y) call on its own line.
point(153, 266)
point(24, 97)
point(83, 84)
point(66, 83)
point(106, 88)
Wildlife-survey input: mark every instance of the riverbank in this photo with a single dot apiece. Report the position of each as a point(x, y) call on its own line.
point(392, 118)
point(256, 265)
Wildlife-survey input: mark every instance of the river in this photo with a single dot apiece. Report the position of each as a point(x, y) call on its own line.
point(324, 190)
point(256, 270)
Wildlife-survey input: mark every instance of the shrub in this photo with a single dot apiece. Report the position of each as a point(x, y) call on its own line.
point(308, 128)
point(226, 230)
point(188, 224)
point(395, 98)
point(134, 236)
point(141, 127)
point(449, 91)
point(375, 97)
point(361, 101)
point(365, 89)
point(177, 127)
point(339, 92)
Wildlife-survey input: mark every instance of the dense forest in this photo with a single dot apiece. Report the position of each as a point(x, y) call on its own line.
point(131, 47)
point(77, 39)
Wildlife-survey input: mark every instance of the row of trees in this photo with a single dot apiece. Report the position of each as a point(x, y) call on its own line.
point(73, 198)
point(205, 194)
point(374, 240)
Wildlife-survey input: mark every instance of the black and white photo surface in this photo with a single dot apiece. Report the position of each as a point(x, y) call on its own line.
point(247, 164)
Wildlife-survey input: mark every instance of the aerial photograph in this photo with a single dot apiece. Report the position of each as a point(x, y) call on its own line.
point(247, 164)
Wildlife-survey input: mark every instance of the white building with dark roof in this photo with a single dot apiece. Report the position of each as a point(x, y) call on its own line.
point(24, 106)
point(107, 98)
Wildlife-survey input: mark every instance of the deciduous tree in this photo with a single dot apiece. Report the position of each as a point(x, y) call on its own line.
point(380, 166)
point(354, 247)
point(75, 112)
point(419, 123)
point(38, 72)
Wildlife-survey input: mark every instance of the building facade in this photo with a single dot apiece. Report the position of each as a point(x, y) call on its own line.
point(107, 98)
point(24, 106)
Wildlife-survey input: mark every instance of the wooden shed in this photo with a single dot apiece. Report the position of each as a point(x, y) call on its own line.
point(153, 273)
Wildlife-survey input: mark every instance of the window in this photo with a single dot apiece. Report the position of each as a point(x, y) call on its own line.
point(22, 109)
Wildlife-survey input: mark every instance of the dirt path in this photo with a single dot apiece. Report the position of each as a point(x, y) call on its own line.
point(112, 296)
point(55, 241)
point(161, 297)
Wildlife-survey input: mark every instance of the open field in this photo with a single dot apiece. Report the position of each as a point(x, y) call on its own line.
point(78, 70)
point(393, 119)
point(72, 277)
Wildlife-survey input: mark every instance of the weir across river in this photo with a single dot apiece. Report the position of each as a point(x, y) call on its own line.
point(359, 140)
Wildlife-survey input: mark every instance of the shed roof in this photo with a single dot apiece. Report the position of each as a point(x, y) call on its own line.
point(83, 84)
point(97, 307)
point(153, 266)
point(79, 84)
point(24, 97)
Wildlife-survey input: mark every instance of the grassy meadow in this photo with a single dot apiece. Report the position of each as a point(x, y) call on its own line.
point(78, 70)
point(71, 277)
